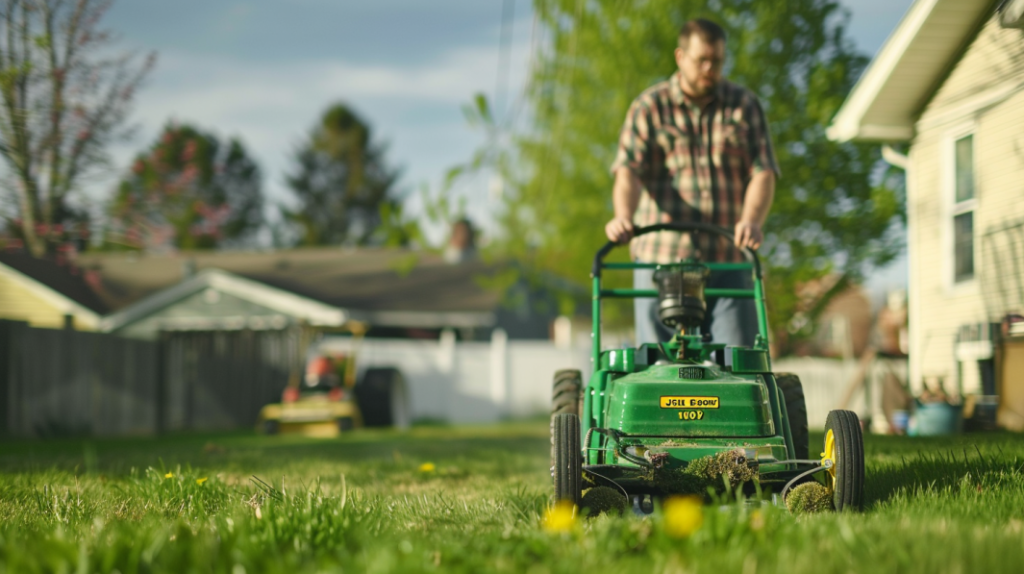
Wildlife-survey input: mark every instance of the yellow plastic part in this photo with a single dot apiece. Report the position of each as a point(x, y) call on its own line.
point(830, 455)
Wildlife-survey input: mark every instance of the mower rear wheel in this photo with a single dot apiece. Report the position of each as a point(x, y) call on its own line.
point(382, 398)
point(796, 410)
point(567, 466)
point(271, 426)
point(844, 445)
point(567, 392)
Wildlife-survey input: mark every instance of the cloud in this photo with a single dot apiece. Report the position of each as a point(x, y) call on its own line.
point(271, 105)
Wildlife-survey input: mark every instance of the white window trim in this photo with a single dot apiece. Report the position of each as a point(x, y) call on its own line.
point(952, 208)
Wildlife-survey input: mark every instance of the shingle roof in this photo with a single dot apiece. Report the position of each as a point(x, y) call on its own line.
point(372, 279)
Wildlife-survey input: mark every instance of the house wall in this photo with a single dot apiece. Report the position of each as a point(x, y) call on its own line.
point(19, 303)
point(983, 95)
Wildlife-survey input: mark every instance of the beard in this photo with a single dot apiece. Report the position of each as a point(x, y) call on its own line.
point(699, 85)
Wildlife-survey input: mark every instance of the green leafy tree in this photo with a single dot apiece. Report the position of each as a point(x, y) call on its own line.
point(189, 190)
point(65, 94)
point(342, 184)
point(828, 216)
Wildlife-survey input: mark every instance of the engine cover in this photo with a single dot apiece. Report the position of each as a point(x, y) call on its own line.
point(689, 401)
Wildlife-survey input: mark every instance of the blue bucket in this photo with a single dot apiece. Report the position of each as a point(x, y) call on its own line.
point(933, 419)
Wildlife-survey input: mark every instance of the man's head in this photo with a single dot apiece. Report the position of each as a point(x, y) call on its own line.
point(700, 56)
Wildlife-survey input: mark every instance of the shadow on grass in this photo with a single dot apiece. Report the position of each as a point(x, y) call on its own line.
point(939, 470)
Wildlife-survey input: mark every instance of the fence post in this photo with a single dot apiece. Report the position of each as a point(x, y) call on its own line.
point(12, 336)
point(499, 370)
point(160, 388)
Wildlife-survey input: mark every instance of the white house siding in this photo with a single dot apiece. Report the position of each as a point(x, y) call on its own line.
point(982, 95)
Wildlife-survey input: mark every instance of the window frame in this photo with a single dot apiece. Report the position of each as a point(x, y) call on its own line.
point(954, 208)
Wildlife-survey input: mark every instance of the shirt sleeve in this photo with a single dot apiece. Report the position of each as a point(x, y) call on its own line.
point(762, 153)
point(635, 141)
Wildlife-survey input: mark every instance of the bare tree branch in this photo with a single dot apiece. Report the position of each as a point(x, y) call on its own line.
point(63, 100)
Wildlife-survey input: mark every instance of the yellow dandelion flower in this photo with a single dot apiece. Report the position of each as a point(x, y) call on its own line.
point(561, 517)
point(756, 520)
point(683, 515)
point(200, 480)
point(169, 475)
point(427, 467)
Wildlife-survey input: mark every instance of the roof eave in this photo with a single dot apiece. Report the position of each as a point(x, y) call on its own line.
point(851, 131)
point(309, 310)
point(59, 301)
point(854, 119)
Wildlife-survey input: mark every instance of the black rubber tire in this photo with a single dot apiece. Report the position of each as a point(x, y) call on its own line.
point(346, 424)
point(567, 467)
point(271, 426)
point(849, 460)
point(796, 409)
point(567, 392)
point(380, 395)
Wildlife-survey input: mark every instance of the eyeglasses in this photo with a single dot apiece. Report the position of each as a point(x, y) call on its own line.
point(708, 63)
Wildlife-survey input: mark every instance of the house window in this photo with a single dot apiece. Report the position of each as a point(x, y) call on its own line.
point(963, 210)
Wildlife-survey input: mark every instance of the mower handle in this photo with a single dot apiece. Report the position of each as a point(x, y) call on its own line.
point(748, 253)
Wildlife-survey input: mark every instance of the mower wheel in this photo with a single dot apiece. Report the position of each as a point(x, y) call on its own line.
point(566, 392)
point(346, 424)
point(271, 426)
point(567, 466)
point(796, 410)
point(844, 445)
point(382, 398)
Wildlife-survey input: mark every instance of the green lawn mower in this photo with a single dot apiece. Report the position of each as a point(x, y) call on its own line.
point(676, 417)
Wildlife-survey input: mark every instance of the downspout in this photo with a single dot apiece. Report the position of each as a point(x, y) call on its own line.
point(894, 158)
point(914, 381)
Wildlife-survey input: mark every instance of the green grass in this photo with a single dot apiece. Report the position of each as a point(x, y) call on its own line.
point(362, 504)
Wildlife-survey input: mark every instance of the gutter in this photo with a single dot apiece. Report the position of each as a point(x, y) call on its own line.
point(894, 158)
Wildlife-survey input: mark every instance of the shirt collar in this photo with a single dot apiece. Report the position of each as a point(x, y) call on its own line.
point(679, 98)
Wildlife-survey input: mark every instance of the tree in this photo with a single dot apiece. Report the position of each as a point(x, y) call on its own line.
point(341, 182)
point(828, 216)
point(189, 190)
point(64, 97)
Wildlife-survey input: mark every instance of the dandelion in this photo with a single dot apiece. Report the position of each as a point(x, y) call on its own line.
point(427, 467)
point(169, 475)
point(756, 520)
point(561, 517)
point(200, 480)
point(683, 515)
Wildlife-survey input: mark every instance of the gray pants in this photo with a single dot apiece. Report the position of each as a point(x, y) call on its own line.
point(730, 321)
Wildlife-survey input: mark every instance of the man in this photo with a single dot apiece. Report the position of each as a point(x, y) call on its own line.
point(695, 148)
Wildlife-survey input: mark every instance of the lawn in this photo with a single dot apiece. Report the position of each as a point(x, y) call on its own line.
point(471, 499)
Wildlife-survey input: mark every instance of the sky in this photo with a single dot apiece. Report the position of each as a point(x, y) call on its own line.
point(264, 70)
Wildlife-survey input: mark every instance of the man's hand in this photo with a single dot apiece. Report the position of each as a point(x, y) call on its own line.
point(619, 230)
point(748, 234)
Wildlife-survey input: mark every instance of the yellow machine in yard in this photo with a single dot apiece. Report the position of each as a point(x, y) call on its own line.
point(330, 399)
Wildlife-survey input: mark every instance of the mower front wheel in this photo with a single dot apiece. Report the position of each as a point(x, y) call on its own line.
point(844, 446)
point(566, 464)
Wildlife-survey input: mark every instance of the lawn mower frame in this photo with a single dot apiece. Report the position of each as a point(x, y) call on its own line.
point(651, 411)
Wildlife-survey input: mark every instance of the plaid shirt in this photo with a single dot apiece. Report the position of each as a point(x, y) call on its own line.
point(694, 165)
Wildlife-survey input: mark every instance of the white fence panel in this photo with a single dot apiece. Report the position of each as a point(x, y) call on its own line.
point(532, 365)
point(471, 382)
point(824, 382)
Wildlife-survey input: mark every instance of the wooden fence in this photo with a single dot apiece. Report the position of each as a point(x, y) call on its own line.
point(55, 382)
